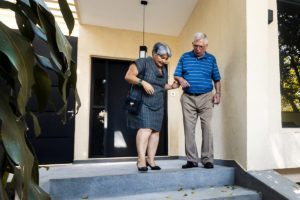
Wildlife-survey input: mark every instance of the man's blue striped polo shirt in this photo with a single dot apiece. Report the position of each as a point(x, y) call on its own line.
point(199, 73)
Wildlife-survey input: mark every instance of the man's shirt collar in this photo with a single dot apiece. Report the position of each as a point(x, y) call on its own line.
point(193, 54)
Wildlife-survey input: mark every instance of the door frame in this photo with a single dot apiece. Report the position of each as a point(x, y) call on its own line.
point(165, 121)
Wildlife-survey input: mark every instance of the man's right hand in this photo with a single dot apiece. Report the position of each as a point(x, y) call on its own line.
point(182, 82)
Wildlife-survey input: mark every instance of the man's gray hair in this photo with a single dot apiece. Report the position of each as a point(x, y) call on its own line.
point(199, 36)
point(161, 48)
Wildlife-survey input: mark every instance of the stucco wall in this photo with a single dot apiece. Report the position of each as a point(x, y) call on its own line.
point(269, 145)
point(119, 44)
point(247, 124)
point(224, 23)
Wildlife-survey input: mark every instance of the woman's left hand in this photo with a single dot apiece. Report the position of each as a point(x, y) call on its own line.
point(148, 87)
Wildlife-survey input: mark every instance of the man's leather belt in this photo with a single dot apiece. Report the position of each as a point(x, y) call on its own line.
point(194, 94)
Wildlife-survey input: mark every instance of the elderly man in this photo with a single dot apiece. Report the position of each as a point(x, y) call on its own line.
point(195, 71)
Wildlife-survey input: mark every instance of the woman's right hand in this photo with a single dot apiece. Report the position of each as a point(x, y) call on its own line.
point(148, 87)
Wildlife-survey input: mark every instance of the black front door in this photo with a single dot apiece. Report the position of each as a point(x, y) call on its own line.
point(56, 142)
point(109, 134)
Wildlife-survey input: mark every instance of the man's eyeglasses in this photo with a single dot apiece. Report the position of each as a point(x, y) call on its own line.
point(198, 46)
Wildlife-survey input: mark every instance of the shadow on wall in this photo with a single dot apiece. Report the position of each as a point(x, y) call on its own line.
point(284, 150)
point(233, 115)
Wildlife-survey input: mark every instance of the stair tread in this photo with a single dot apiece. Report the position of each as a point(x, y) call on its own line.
point(109, 169)
point(100, 180)
point(213, 192)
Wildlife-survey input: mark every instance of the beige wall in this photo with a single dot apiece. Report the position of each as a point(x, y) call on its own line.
point(112, 43)
point(224, 23)
point(247, 124)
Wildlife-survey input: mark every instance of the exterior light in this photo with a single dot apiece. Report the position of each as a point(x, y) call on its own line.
point(143, 48)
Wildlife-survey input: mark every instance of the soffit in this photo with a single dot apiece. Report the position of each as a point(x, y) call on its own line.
point(166, 17)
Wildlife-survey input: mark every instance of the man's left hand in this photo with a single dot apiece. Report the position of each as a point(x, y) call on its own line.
point(217, 98)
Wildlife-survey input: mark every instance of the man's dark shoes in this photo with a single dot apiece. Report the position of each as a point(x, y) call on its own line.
point(153, 167)
point(208, 165)
point(189, 164)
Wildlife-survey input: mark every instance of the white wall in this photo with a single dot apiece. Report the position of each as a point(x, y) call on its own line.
point(268, 146)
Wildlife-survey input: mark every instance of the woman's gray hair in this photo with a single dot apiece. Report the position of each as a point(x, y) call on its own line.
point(200, 36)
point(161, 48)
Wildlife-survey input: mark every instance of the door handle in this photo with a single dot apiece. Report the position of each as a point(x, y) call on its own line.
point(71, 112)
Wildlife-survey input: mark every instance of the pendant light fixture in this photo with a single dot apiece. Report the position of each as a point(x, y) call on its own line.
point(143, 49)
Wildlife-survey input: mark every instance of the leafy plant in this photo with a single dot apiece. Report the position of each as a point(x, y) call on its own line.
point(22, 73)
point(289, 50)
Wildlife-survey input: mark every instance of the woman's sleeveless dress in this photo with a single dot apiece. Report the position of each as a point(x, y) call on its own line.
point(152, 109)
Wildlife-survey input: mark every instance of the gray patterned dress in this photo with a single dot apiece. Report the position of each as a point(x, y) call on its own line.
point(152, 109)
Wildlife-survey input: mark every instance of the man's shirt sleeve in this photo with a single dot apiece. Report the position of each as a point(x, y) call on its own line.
point(178, 70)
point(215, 73)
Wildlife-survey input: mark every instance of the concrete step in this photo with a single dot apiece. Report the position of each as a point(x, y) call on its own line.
point(205, 193)
point(124, 180)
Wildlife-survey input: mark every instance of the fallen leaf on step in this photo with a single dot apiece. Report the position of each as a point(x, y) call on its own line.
point(212, 187)
point(46, 167)
point(223, 191)
point(234, 187)
point(185, 195)
point(180, 189)
point(84, 197)
point(230, 194)
point(168, 197)
point(227, 186)
point(193, 192)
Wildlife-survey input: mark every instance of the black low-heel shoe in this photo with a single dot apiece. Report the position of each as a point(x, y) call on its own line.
point(153, 167)
point(142, 169)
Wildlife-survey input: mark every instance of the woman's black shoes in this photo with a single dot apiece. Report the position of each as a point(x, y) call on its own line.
point(142, 169)
point(145, 169)
point(153, 167)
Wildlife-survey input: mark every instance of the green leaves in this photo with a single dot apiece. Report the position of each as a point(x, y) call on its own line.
point(21, 73)
point(12, 131)
point(42, 88)
point(20, 53)
point(289, 47)
point(25, 26)
point(67, 14)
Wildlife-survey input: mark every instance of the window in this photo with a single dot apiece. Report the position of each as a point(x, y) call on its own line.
point(289, 52)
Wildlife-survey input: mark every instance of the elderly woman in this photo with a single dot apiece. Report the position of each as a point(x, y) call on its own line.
point(149, 78)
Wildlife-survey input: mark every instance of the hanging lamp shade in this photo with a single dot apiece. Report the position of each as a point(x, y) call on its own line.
point(143, 48)
point(143, 51)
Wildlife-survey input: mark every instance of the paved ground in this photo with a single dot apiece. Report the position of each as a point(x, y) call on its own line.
point(223, 192)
